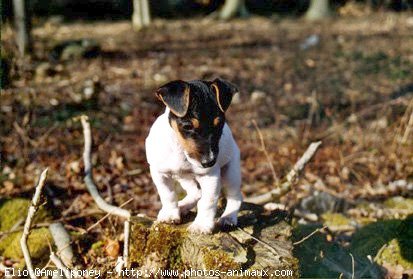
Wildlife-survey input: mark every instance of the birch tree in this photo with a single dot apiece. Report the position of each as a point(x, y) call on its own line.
point(318, 9)
point(22, 25)
point(141, 16)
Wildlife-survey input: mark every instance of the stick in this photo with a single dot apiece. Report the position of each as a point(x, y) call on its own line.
point(264, 149)
point(62, 240)
point(101, 203)
point(290, 178)
point(126, 242)
point(27, 225)
point(310, 235)
point(106, 216)
point(60, 265)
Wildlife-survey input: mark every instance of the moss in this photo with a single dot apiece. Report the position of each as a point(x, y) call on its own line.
point(215, 259)
point(399, 250)
point(399, 203)
point(160, 243)
point(139, 234)
point(336, 221)
point(392, 255)
point(14, 210)
point(37, 243)
point(97, 245)
point(164, 242)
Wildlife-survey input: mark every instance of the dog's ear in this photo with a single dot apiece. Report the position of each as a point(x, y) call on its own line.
point(224, 90)
point(175, 95)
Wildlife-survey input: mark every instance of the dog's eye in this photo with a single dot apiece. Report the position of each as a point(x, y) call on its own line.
point(187, 127)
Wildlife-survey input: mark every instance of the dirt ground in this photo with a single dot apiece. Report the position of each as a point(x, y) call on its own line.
point(352, 89)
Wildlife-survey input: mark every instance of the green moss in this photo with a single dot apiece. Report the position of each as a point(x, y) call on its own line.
point(139, 234)
point(37, 243)
point(164, 241)
point(336, 221)
point(399, 250)
point(160, 242)
point(399, 203)
point(392, 254)
point(215, 259)
point(14, 210)
point(97, 245)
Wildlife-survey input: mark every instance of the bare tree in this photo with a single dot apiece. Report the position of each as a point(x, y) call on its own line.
point(23, 26)
point(318, 9)
point(141, 16)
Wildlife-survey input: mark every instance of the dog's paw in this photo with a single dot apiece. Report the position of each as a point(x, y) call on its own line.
point(201, 228)
point(169, 216)
point(228, 221)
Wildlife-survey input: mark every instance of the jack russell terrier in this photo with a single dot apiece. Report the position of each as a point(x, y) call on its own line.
point(190, 143)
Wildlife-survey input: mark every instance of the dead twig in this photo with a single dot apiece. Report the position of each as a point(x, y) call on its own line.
point(290, 179)
point(29, 219)
point(310, 235)
point(408, 129)
point(101, 203)
point(352, 266)
point(106, 216)
point(60, 265)
point(62, 240)
point(264, 149)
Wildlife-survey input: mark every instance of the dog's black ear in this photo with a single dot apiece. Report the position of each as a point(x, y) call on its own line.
point(175, 95)
point(224, 90)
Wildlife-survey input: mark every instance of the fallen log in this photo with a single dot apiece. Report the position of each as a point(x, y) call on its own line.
point(260, 245)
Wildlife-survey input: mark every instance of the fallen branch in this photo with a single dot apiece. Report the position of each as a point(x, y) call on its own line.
point(62, 240)
point(101, 203)
point(290, 179)
point(29, 219)
point(60, 265)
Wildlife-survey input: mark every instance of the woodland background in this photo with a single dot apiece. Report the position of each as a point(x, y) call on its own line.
point(345, 78)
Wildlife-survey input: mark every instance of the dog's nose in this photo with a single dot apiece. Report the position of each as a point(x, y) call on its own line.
point(208, 162)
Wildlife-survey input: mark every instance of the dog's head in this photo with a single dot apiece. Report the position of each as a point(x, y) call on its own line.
point(198, 115)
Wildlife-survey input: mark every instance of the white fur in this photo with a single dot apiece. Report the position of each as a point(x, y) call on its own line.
point(169, 162)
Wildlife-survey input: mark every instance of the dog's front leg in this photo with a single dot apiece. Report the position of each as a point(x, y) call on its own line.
point(207, 206)
point(169, 212)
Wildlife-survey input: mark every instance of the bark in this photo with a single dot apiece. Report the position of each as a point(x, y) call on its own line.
point(22, 24)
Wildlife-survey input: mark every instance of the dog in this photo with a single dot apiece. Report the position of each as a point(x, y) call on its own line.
point(191, 143)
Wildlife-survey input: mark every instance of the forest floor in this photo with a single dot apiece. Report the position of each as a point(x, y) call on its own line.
point(346, 81)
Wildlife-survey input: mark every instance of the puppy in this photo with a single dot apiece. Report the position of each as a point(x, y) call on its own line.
point(190, 143)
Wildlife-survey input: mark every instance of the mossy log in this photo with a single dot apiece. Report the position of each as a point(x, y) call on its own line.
point(261, 241)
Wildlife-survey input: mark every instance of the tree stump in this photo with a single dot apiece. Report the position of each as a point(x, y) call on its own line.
point(261, 241)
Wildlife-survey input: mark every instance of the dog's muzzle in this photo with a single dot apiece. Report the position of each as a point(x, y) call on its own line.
point(209, 160)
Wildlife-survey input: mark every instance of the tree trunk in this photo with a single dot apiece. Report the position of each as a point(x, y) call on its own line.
point(232, 8)
point(261, 241)
point(318, 9)
point(22, 24)
point(141, 16)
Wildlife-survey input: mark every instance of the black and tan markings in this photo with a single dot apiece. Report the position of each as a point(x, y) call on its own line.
point(198, 115)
